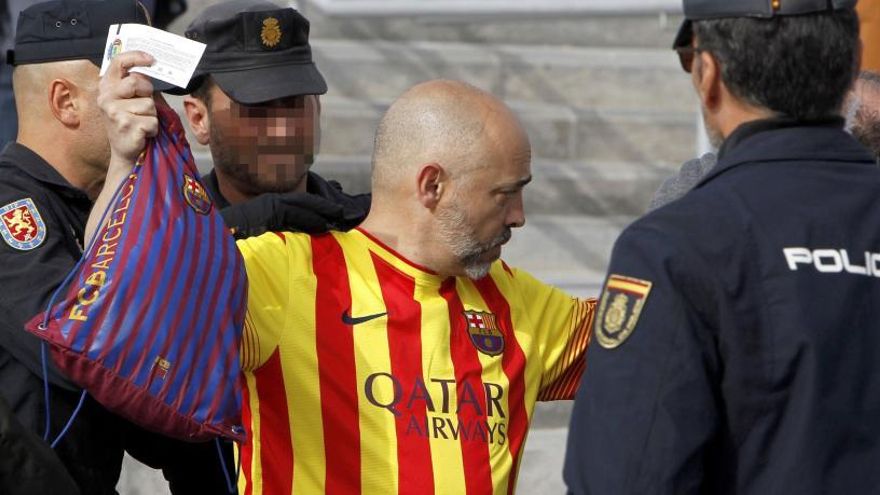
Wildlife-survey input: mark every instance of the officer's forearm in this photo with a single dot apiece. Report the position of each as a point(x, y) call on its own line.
point(118, 171)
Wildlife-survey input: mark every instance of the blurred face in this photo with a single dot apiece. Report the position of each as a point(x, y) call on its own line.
point(267, 147)
point(476, 219)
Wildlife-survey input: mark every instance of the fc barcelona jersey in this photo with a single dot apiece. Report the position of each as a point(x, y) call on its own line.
point(366, 373)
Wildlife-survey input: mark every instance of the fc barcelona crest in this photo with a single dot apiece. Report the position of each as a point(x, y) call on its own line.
point(22, 226)
point(195, 195)
point(484, 332)
point(619, 309)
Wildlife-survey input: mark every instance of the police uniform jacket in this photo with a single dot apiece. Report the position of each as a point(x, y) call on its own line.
point(737, 342)
point(42, 222)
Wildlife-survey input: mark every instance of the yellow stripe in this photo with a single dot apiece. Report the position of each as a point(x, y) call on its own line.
point(255, 468)
point(378, 442)
point(299, 362)
point(446, 457)
point(493, 373)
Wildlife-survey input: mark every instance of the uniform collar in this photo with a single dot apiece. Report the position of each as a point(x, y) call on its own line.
point(354, 210)
point(786, 139)
point(29, 162)
point(213, 188)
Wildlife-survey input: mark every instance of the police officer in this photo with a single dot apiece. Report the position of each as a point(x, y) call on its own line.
point(737, 344)
point(48, 180)
point(255, 103)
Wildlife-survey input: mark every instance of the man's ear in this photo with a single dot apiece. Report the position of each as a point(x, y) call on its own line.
point(199, 119)
point(63, 102)
point(707, 78)
point(431, 184)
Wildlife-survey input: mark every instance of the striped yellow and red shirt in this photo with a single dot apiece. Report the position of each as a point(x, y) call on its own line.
point(368, 374)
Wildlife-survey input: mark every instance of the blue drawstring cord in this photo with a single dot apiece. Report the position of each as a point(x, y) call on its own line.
point(229, 485)
point(45, 325)
point(82, 399)
point(45, 390)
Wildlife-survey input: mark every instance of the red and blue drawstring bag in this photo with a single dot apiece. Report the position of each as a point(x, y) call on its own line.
point(150, 319)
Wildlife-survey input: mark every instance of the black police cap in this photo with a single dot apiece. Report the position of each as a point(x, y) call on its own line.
point(256, 51)
point(696, 10)
point(69, 29)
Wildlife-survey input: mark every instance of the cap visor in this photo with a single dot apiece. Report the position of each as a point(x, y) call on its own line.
point(252, 86)
point(685, 35)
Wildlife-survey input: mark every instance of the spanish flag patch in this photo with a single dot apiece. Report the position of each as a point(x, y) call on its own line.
point(619, 309)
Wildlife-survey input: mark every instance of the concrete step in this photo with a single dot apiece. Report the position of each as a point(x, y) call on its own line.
point(566, 189)
point(557, 132)
point(562, 188)
point(590, 78)
point(648, 29)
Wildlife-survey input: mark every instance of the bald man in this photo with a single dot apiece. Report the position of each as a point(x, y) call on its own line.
point(402, 356)
point(48, 180)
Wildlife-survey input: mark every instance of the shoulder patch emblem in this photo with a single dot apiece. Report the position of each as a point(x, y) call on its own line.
point(22, 226)
point(270, 35)
point(619, 309)
point(195, 195)
point(484, 332)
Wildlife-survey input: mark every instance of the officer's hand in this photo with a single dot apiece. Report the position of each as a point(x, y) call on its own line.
point(301, 212)
point(126, 99)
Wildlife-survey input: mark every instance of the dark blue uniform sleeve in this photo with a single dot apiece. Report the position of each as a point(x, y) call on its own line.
point(31, 273)
point(647, 412)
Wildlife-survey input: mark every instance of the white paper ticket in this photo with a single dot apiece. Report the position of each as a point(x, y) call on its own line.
point(176, 57)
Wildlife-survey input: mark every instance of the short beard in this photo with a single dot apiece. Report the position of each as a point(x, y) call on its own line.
point(866, 129)
point(458, 234)
point(716, 139)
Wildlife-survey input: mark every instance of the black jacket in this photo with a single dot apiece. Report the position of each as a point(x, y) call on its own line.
point(737, 341)
point(57, 212)
point(29, 466)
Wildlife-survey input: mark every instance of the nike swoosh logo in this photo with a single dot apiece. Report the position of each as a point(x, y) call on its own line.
point(350, 320)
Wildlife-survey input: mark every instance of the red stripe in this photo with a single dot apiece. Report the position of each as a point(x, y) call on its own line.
point(212, 330)
point(207, 319)
point(165, 303)
point(415, 473)
point(336, 368)
point(276, 451)
point(469, 384)
point(513, 362)
point(246, 449)
point(138, 204)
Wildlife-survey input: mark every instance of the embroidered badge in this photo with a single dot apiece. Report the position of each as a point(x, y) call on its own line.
point(161, 367)
point(22, 226)
point(195, 195)
point(619, 309)
point(484, 332)
point(271, 33)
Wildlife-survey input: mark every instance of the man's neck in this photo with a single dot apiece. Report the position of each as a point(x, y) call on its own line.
point(738, 114)
point(403, 236)
point(79, 175)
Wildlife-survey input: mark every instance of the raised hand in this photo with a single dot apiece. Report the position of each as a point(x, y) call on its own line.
point(126, 99)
